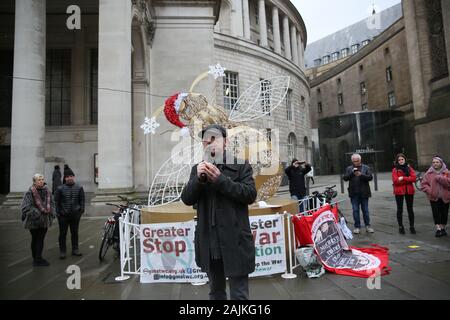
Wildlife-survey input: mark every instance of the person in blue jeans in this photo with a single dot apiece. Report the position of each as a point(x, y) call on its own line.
point(358, 175)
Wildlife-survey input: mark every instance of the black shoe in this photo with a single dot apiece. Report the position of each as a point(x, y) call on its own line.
point(41, 263)
point(77, 253)
point(438, 234)
point(401, 230)
point(62, 255)
point(443, 233)
point(413, 230)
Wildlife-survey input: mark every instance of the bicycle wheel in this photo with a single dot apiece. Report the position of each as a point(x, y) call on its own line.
point(418, 182)
point(106, 241)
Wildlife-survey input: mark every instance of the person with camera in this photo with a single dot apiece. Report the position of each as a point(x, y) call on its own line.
point(296, 174)
point(221, 191)
point(359, 176)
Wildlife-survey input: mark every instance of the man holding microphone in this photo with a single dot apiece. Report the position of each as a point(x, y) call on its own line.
point(221, 191)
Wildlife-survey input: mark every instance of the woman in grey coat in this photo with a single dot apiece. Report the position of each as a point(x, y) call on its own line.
point(38, 212)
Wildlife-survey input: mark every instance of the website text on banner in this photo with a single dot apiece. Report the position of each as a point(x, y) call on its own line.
point(168, 255)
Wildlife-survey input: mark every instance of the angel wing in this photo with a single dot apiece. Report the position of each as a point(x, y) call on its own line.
point(173, 175)
point(260, 99)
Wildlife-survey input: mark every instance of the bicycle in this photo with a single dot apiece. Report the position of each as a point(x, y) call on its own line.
point(418, 182)
point(110, 236)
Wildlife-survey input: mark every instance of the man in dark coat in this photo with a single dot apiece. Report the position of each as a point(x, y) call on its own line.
point(221, 192)
point(359, 176)
point(69, 201)
point(296, 173)
point(56, 179)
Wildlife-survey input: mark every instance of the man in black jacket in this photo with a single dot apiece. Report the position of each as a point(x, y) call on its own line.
point(296, 173)
point(359, 176)
point(69, 201)
point(221, 191)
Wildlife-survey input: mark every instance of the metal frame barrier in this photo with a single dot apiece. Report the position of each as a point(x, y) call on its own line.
point(129, 233)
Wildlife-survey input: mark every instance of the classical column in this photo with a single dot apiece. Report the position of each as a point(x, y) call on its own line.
point(286, 38)
point(300, 51)
point(246, 14)
point(276, 30)
point(237, 22)
point(294, 45)
point(28, 100)
point(262, 23)
point(445, 4)
point(114, 104)
point(77, 108)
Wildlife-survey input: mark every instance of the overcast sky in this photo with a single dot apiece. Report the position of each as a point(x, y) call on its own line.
point(324, 17)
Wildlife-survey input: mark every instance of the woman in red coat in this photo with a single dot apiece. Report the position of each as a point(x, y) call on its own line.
point(403, 178)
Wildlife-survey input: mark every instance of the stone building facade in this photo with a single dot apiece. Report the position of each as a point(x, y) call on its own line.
point(75, 95)
point(393, 73)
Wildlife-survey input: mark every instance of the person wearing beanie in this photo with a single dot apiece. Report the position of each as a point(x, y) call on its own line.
point(403, 178)
point(69, 200)
point(436, 184)
point(56, 179)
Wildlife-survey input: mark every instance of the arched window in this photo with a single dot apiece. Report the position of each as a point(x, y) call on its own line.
point(292, 146)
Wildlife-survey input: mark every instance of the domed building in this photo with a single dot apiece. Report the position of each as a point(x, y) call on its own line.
point(82, 75)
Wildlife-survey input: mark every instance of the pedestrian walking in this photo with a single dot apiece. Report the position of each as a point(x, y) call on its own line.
point(436, 184)
point(358, 175)
point(403, 178)
point(69, 199)
point(37, 216)
point(222, 191)
point(56, 179)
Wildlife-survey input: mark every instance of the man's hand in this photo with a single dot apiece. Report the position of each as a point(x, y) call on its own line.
point(357, 173)
point(201, 168)
point(212, 172)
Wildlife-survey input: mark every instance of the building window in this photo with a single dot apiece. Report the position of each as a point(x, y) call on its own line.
point(386, 50)
point(319, 107)
point(355, 48)
point(230, 89)
point(265, 96)
point(94, 86)
point(292, 146)
point(256, 15)
point(289, 105)
point(58, 90)
point(389, 74)
point(364, 107)
point(361, 67)
point(339, 82)
point(334, 56)
point(318, 91)
point(365, 43)
point(317, 62)
point(340, 99)
point(391, 99)
point(6, 87)
point(325, 59)
point(363, 88)
point(344, 53)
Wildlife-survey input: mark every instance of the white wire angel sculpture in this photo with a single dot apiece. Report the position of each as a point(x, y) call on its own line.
point(259, 100)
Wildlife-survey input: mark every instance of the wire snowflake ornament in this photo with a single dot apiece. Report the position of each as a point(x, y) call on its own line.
point(149, 125)
point(217, 71)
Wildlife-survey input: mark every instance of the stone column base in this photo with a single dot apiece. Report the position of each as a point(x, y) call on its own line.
point(110, 195)
point(13, 200)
